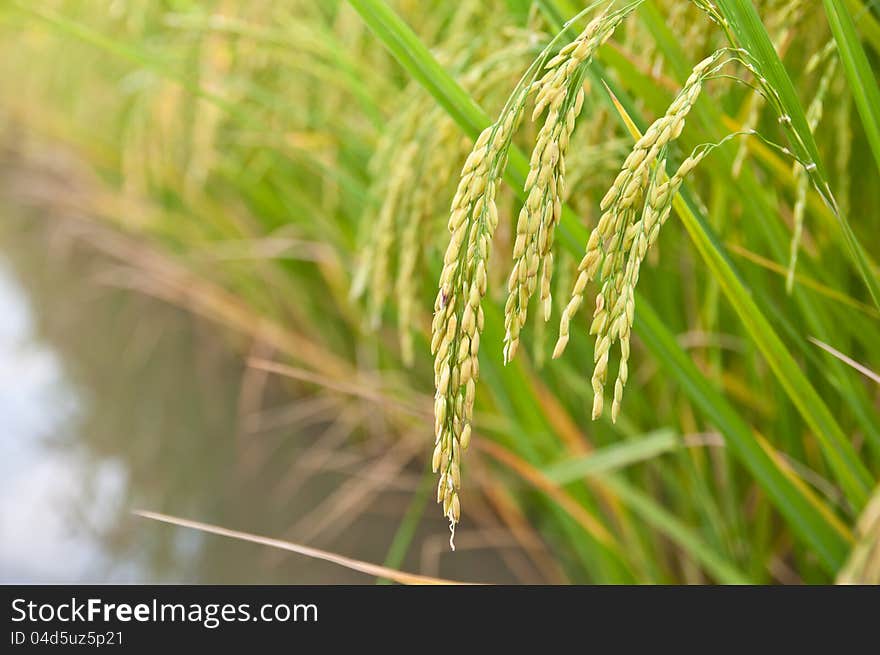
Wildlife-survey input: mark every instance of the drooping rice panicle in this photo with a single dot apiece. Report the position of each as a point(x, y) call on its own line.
point(623, 227)
point(657, 208)
point(458, 315)
point(560, 93)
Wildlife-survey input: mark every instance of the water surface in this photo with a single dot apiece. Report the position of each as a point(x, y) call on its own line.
point(111, 400)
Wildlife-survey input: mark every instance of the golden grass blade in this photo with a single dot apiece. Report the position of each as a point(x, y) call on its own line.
point(809, 282)
point(850, 471)
point(401, 577)
point(864, 370)
point(863, 565)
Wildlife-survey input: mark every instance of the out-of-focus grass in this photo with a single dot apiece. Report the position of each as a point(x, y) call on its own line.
point(254, 142)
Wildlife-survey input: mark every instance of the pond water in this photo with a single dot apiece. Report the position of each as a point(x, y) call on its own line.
point(111, 401)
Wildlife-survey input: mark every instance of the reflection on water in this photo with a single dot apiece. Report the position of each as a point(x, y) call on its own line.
point(105, 406)
point(111, 401)
point(37, 479)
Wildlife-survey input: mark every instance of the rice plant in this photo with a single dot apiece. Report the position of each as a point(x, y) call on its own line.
point(416, 203)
